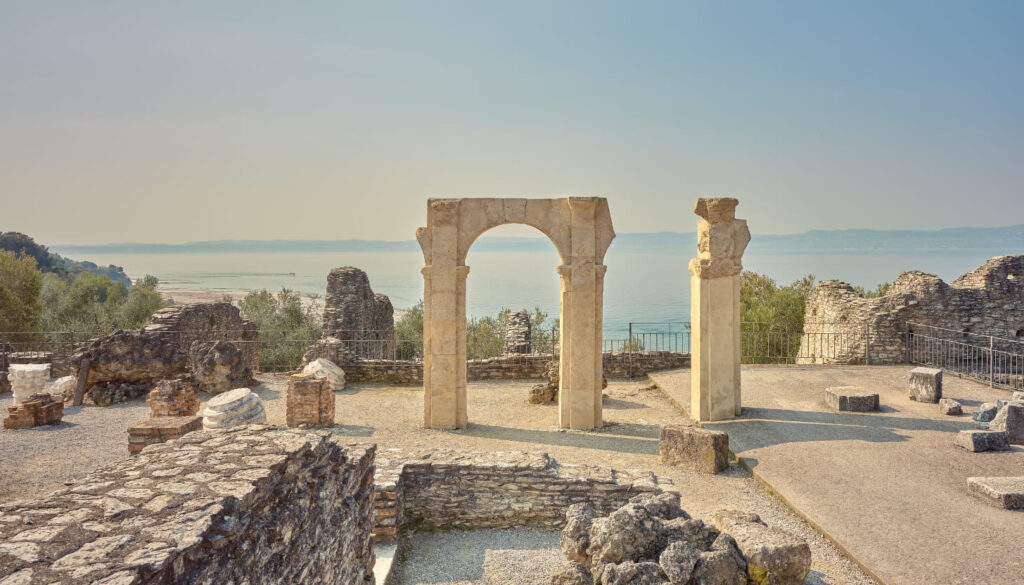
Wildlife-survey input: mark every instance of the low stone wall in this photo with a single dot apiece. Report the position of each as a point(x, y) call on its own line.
point(446, 489)
point(245, 505)
point(514, 367)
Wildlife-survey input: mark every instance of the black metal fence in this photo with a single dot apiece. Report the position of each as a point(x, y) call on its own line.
point(997, 361)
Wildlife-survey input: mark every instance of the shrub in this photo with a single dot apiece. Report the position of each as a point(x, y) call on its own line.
point(20, 288)
point(772, 316)
point(287, 326)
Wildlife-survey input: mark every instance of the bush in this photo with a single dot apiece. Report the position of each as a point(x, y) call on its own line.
point(287, 326)
point(772, 317)
point(93, 305)
point(20, 287)
point(409, 334)
point(485, 336)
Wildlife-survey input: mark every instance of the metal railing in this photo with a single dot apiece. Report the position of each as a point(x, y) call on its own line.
point(997, 361)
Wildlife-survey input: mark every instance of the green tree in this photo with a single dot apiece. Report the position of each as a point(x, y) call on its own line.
point(879, 291)
point(772, 316)
point(287, 326)
point(409, 333)
point(20, 293)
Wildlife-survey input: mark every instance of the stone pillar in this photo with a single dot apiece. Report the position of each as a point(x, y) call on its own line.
point(309, 401)
point(715, 310)
point(518, 333)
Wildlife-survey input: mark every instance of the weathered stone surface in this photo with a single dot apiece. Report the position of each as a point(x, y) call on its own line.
point(694, 448)
point(628, 533)
point(978, 441)
point(631, 573)
point(950, 407)
point(218, 366)
point(115, 393)
point(355, 315)
point(329, 371)
point(1010, 418)
point(678, 561)
point(772, 555)
point(1005, 492)
point(1018, 395)
point(285, 506)
point(172, 398)
point(926, 384)
point(309, 401)
point(130, 357)
point(62, 388)
point(576, 534)
point(851, 399)
point(518, 334)
point(233, 408)
point(542, 394)
point(691, 530)
point(572, 573)
point(663, 505)
point(983, 301)
point(723, 564)
point(985, 413)
point(28, 380)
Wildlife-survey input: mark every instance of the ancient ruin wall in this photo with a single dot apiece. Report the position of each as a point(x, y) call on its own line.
point(841, 326)
point(353, 312)
point(246, 505)
point(532, 367)
point(210, 322)
point(465, 490)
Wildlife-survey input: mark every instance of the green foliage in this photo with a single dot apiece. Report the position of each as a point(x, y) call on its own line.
point(287, 326)
point(485, 336)
point(409, 333)
point(93, 305)
point(879, 291)
point(20, 287)
point(772, 316)
point(50, 263)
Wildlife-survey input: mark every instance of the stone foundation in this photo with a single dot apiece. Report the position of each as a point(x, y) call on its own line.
point(36, 411)
point(161, 430)
point(309, 402)
point(460, 490)
point(247, 505)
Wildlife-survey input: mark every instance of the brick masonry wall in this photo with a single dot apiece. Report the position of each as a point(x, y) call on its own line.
point(244, 505)
point(210, 322)
point(462, 490)
point(616, 365)
point(839, 323)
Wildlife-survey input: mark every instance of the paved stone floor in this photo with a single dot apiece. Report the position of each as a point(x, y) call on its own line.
point(890, 487)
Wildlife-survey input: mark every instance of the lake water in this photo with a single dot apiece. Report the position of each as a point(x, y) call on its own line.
point(639, 286)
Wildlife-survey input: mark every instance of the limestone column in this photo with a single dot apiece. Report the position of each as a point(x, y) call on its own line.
point(715, 310)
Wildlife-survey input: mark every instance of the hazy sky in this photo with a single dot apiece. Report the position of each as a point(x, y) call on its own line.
point(177, 121)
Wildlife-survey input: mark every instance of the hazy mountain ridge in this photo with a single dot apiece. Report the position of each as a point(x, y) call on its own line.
point(1010, 239)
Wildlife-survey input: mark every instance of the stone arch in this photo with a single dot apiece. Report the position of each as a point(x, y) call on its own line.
point(581, 230)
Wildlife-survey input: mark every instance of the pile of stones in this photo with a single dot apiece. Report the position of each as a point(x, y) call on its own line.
point(172, 398)
point(517, 333)
point(653, 541)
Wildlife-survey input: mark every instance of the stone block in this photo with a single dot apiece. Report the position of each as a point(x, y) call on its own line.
point(773, 555)
point(950, 407)
point(977, 441)
point(850, 399)
point(1010, 418)
point(1004, 492)
point(926, 384)
point(985, 413)
point(310, 401)
point(160, 430)
point(328, 370)
point(172, 398)
point(694, 448)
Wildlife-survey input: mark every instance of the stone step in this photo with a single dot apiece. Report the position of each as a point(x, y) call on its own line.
point(1004, 492)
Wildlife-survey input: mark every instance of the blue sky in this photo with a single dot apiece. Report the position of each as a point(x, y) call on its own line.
point(129, 121)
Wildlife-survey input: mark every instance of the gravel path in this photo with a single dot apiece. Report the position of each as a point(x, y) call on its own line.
point(40, 460)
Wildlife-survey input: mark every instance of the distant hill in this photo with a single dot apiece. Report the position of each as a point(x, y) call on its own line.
point(47, 261)
point(1010, 239)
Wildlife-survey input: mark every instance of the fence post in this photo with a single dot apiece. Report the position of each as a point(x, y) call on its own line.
point(867, 344)
point(629, 348)
point(907, 343)
point(991, 362)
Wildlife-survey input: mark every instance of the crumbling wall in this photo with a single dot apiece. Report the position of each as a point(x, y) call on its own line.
point(518, 333)
point(353, 313)
point(447, 489)
point(244, 505)
point(210, 322)
point(841, 326)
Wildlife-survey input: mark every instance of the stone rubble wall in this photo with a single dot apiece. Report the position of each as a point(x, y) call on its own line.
point(518, 334)
point(467, 490)
point(616, 365)
point(210, 322)
point(250, 504)
point(838, 322)
point(352, 312)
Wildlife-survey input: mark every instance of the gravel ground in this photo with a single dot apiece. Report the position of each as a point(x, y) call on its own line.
point(40, 460)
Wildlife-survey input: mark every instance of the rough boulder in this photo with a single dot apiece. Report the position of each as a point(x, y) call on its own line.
point(218, 366)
